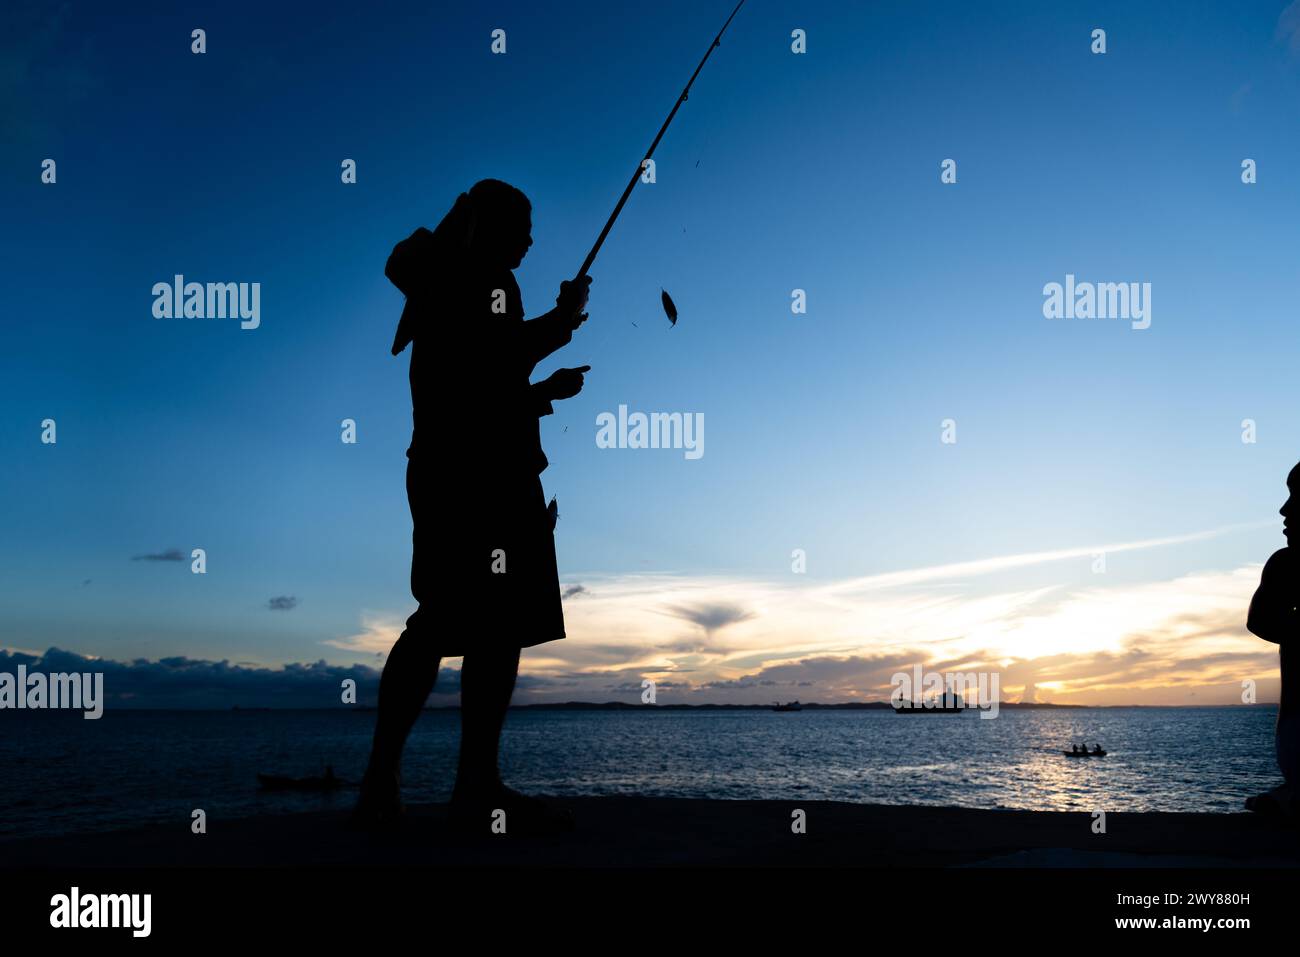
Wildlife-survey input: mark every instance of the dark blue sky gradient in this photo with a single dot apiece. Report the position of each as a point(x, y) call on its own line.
point(819, 172)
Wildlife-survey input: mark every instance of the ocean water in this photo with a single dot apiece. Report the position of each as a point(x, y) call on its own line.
point(60, 773)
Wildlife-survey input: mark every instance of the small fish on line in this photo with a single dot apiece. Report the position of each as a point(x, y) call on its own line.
point(670, 309)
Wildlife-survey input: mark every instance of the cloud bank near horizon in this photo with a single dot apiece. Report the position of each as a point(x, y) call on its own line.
point(735, 640)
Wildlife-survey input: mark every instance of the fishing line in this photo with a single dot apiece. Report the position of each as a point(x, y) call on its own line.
point(669, 309)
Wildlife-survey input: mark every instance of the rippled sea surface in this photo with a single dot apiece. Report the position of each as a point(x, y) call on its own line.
point(60, 773)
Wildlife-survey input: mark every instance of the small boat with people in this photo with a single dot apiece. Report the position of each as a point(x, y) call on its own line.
point(1081, 751)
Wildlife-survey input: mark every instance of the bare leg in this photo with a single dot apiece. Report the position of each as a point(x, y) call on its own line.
point(408, 679)
point(487, 681)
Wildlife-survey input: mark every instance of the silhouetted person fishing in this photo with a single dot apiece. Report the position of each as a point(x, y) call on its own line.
point(483, 559)
point(1273, 617)
point(485, 544)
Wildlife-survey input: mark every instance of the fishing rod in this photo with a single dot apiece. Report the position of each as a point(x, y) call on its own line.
point(609, 224)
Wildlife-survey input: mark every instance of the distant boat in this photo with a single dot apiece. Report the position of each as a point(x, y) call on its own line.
point(324, 782)
point(1084, 754)
point(790, 706)
point(945, 704)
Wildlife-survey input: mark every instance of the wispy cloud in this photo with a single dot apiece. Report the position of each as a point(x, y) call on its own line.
point(988, 566)
point(1085, 639)
point(1082, 638)
point(171, 555)
point(378, 634)
point(711, 616)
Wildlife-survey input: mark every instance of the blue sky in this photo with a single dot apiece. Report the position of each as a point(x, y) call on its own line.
point(817, 171)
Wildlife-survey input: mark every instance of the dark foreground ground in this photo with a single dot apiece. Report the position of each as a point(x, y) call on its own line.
point(656, 832)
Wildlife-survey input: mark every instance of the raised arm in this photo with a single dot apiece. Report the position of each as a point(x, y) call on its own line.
point(551, 331)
